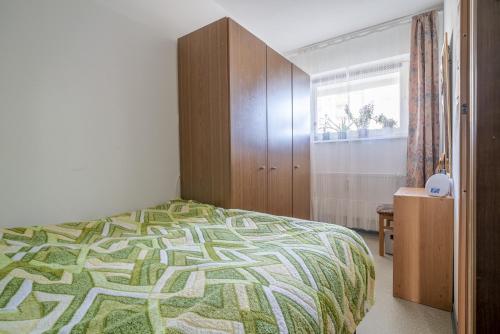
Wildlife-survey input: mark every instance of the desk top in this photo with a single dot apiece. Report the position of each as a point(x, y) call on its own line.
point(416, 192)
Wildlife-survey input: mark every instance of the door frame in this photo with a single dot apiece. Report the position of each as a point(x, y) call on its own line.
point(468, 138)
point(466, 242)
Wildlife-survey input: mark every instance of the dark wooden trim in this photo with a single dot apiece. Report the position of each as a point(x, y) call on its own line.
point(487, 154)
point(462, 304)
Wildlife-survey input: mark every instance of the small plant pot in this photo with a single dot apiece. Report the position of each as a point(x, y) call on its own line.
point(342, 135)
point(362, 133)
point(388, 125)
point(326, 135)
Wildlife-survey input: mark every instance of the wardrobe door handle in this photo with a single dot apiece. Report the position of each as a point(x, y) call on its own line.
point(296, 166)
point(262, 167)
point(273, 168)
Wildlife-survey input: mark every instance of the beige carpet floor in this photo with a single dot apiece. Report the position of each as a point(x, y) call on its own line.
point(393, 315)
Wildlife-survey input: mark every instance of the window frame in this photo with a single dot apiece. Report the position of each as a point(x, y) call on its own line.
point(399, 64)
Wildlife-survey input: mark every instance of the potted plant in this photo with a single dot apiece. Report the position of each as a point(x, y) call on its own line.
point(325, 125)
point(363, 120)
point(385, 121)
point(342, 127)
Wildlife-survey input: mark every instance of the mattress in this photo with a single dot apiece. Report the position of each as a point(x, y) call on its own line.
point(184, 267)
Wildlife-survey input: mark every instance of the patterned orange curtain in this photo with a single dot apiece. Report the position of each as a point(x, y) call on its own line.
point(423, 131)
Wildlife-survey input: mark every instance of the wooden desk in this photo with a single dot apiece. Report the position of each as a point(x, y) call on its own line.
point(423, 248)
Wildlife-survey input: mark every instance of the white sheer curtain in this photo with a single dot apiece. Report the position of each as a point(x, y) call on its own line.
point(355, 170)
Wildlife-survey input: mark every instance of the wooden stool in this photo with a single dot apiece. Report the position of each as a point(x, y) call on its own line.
point(385, 214)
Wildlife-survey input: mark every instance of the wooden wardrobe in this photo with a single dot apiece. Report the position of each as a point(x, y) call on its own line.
point(244, 123)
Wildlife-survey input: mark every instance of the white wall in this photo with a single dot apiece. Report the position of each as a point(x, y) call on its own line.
point(88, 113)
point(452, 27)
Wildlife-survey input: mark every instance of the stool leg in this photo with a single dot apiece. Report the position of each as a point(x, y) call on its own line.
point(381, 235)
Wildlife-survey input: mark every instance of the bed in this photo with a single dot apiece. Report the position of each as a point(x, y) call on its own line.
point(184, 267)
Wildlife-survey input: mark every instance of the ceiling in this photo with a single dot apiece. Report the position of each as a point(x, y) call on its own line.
point(172, 18)
point(290, 24)
point(283, 24)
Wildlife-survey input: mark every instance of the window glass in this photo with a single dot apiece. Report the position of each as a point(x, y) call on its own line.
point(361, 107)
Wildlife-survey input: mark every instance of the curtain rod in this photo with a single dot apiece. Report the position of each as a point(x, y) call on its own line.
point(361, 32)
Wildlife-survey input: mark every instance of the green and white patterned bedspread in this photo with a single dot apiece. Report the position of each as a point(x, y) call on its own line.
point(184, 267)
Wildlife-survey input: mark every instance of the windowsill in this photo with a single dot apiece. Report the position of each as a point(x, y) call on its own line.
point(360, 139)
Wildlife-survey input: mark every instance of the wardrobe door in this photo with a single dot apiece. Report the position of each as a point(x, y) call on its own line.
point(247, 81)
point(279, 132)
point(301, 144)
point(204, 114)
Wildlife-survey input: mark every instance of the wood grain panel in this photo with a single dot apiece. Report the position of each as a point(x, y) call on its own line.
point(463, 302)
point(487, 180)
point(423, 248)
point(301, 85)
point(279, 133)
point(247, 68)
point(204, 114)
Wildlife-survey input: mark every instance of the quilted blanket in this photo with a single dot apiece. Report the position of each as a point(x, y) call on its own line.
point(184, 267)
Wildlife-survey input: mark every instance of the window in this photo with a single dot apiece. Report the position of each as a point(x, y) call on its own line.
point(368, 101)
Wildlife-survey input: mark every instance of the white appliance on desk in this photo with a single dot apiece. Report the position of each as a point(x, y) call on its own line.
point(438, 185)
